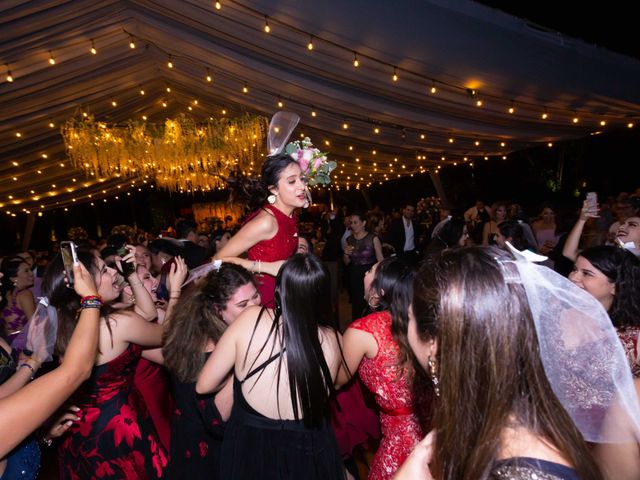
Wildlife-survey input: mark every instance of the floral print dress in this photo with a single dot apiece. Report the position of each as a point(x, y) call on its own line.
point(114, 438)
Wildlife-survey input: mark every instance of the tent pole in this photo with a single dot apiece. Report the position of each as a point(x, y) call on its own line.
point(28, 231)
point(439, 188)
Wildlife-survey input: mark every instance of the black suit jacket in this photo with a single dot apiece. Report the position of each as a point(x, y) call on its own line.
point(194, 255)
point(397, 238)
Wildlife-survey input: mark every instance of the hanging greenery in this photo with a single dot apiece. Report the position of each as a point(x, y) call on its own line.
point(179, 155)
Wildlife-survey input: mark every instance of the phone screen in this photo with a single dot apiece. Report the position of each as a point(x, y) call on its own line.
point(592, 199)
point(68, 252)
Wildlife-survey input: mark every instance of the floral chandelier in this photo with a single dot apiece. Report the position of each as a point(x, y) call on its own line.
point(179, 155)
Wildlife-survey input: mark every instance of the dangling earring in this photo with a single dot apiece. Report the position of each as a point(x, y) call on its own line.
point(434, 377)
point(271, 198)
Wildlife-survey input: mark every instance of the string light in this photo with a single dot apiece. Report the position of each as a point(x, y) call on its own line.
point(433, 87)
point(114, 103)
point(132, 43)
point(395, 74)
point(218, 5)
point(245, 89)
point(169, 62)
point(478, 103)
point(575, 120)
point(52, 61)
point(93, 48)
point(280, 103)
point(602, 123)
point(345, 125)
point(544, 115)
point(630, 125)
point(356, 63)
point(313, 113)
point(512, 109)
point(208, 77)
point(142, 91)
point(267, 28)
point(9, 75)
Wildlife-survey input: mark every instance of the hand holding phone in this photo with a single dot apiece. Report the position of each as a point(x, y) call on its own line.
point(592, 200)
point(69, 257)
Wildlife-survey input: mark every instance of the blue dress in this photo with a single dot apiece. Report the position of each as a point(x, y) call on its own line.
point(23, 462)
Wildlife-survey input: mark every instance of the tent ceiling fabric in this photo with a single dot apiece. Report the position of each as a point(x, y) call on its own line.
point(467, 51)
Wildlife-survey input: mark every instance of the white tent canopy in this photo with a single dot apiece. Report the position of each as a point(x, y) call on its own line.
point(556, 87)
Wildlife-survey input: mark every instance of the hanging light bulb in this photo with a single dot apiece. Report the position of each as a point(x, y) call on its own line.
point(142, 92)
point(169, 62)
point(280, 103)
point(218, 5)
point(356, 63)
point(345, 125)
point(209, 77)
point(395, 74)
point(313, 113)
point(544, 115)
point(245, 89)
point(603, 123)
point(267, 28)
point(310, 44)
point(9, 75)
point(511, 109)
point(433, 87)
point(93, 48)
point(52, 61)
point(132, 43)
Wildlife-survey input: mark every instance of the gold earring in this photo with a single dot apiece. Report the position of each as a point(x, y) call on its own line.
point(434, 377)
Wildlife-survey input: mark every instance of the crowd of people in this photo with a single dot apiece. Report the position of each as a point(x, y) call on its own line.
point(222, 355)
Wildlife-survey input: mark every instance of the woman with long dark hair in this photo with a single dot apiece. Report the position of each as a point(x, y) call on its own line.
point(199, 320)
point(269, 234)
point(376, 346)
point(284, 363)
point(508, 344)
point(113, 427)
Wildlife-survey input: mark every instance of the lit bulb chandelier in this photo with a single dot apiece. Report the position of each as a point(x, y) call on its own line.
point(180, 155)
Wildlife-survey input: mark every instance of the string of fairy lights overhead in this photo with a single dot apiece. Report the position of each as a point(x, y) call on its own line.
point(360, 163)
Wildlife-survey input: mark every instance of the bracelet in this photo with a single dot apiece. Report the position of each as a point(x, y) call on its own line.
point(259, 267)
point(47, 441)
point(90, 302)
point(33, 370)
point(253, 267)
point(91, 297)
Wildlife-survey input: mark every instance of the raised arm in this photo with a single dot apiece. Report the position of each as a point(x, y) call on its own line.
point(263, 227)
point(570, 249)
point(25, 410)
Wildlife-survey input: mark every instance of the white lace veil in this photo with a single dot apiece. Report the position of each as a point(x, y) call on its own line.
point(582, 356)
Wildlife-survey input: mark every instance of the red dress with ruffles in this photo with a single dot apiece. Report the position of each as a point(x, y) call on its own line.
point(383, 375)
point(280, 247)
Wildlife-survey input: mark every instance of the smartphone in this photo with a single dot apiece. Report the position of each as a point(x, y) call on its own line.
point(592, 200)
point(127, 268)
point(69, 257)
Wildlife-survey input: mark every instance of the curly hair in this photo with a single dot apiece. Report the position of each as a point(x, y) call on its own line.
point(197, 318)
point(622, 268)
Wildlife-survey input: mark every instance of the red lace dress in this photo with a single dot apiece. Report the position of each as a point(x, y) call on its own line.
point(381, 374)
point(114, 438)
point(629, 338)
point(280, 247)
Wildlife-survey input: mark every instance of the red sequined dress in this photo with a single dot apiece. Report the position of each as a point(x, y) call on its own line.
point(114, 438)
point(382, 375)
point(280, 247)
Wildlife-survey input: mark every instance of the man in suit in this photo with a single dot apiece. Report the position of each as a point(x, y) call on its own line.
point(404, 235)
point(193, 253)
